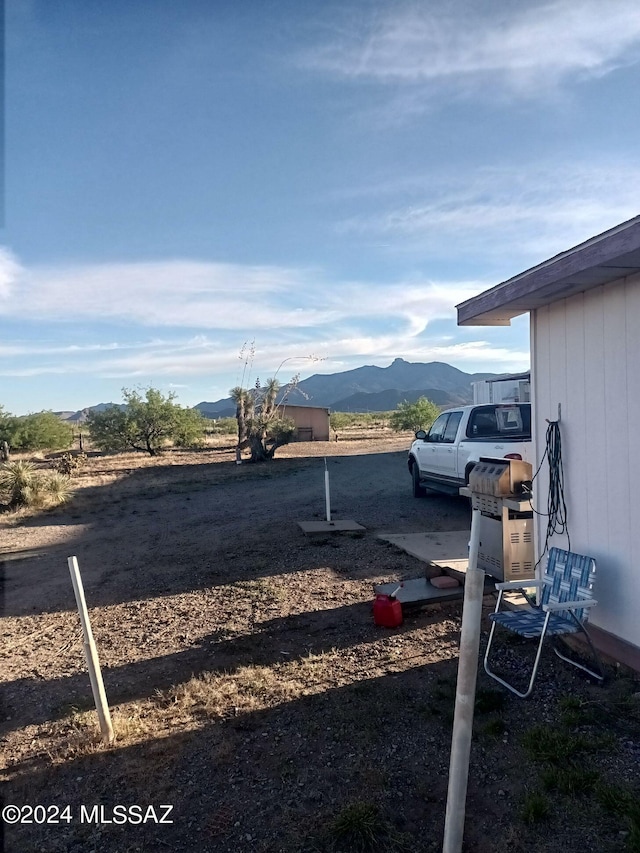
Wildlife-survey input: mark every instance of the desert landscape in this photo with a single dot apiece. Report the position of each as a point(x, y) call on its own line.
point(249, 686)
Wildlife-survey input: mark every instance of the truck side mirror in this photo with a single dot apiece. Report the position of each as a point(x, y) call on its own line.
point(421, 434)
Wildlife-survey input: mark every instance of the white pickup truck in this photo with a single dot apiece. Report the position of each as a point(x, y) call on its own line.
point(442, 458)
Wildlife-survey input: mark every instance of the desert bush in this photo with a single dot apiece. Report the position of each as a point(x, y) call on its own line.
point(341, 420)
point(39, 431)
point(56, 488)
point(223, 426)
point(414, 416)
point(361, 420)
point(17, 481)
point(146, 423)
point(23, 486)
point(70, 463)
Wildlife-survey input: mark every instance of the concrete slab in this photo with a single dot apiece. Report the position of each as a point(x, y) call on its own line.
point(444, 553)
point(444, 550)
point(340, 525)
point(419, 591)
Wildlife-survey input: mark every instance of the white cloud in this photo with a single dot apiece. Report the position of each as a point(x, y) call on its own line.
point(223, 297)
point(56, 349)
point(500, 359)
point(527, 47)
point(293, 315)
point(332, 354)
point(537, 211)
point(172, 292)
point(10, 270)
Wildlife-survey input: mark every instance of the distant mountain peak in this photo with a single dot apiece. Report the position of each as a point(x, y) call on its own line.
point(368, 388)
point(373, 388)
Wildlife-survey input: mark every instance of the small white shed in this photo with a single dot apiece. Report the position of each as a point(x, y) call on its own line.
point(584, 307)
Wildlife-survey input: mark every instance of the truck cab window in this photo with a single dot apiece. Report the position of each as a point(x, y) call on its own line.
point(500, 420)
point(484, 423)
point(438, 427)
point(451, 429)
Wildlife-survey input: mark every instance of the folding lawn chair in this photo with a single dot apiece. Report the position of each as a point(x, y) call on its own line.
point(565, 599)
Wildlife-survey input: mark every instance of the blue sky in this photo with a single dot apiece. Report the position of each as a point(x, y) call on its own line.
point(326, 179)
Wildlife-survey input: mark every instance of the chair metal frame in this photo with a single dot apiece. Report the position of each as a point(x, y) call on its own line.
point(566, 596)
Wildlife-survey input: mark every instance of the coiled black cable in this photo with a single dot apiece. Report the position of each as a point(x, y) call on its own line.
point(556, 514)
point(556, 504)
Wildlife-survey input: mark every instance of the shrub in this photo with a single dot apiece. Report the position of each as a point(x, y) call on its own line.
point(414, 416)
point(70, 463)
point(39, 431)
point(362, 420)
point(17, 480)
point(56, 488)
point(146, 423)
point(223, 426)
point(25, 487)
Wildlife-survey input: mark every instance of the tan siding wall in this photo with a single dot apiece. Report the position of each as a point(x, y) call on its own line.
point(586, 357)
point(310, 417)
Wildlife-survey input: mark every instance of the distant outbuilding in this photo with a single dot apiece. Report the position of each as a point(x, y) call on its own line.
point(312, 422)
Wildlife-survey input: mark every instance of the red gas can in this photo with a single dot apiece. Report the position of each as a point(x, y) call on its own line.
point(387, 611)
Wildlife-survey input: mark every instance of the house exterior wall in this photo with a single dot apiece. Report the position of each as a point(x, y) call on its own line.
point(312, 422)
point(586, 359)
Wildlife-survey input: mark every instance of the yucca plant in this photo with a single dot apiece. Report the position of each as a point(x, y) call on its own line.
point(24, 487)
point(57, 488)
point(19, 481)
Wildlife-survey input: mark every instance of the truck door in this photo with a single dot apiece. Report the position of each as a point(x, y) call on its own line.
point(445, 457)
point(427, 450)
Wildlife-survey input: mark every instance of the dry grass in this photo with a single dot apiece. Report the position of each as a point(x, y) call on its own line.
point(250, 688)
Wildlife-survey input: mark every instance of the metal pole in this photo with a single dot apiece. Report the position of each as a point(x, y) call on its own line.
point(465, 696)
point(91, 654)
point(327, 496)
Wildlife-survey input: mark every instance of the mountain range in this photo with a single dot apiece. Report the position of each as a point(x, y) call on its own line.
point(364, 389)
point(373, 389)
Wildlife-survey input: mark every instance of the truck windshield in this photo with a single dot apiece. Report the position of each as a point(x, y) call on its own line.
point(500, 421)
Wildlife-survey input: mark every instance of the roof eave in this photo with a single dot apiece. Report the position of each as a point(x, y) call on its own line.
point(607, 257)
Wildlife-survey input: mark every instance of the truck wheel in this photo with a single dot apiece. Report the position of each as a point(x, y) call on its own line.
point(418, 490)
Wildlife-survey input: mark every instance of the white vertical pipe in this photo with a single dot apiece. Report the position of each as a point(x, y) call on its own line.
point(465, 696)
point(327, 496)
point(91, 654)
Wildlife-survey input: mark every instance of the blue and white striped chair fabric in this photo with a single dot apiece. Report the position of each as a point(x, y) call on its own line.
point(568, 580)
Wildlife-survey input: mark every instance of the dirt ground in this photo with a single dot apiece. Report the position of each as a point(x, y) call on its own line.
point(250, 689)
